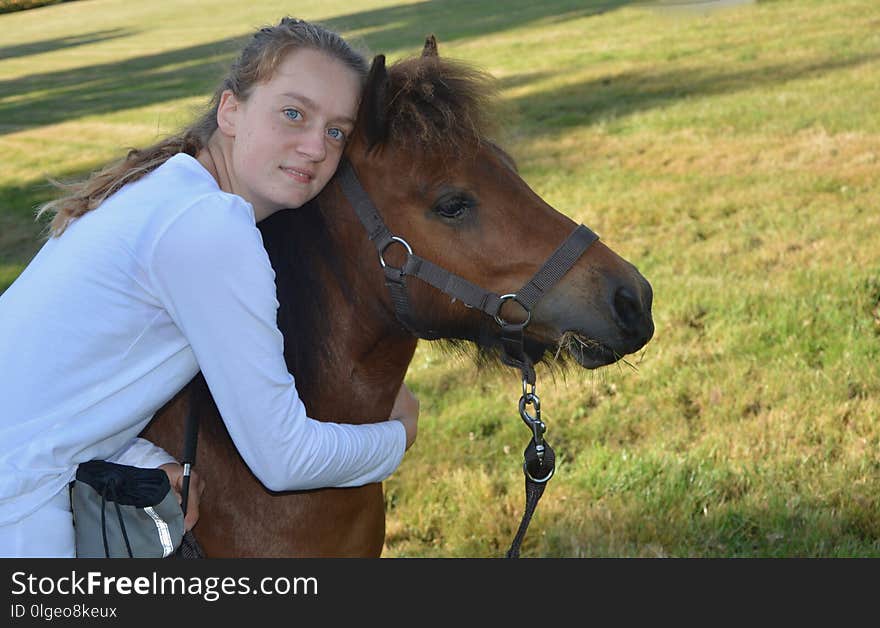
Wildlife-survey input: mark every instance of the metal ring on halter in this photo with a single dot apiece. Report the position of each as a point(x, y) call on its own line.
point(501, 300)
point(409, 250)
point(542, 480)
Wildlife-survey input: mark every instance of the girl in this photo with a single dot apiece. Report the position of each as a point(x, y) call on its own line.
point(155, 270)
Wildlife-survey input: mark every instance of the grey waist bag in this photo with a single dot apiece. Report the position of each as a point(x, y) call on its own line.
point(124, 512)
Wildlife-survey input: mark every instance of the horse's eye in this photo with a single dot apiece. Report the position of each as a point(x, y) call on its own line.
point(454, 207)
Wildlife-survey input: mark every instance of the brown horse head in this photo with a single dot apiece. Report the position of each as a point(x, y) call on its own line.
point(424, 155)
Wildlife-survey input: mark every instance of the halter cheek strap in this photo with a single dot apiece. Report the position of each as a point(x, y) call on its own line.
point(512, 334)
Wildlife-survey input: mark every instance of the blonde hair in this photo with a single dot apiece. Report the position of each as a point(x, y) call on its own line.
point(256, 64)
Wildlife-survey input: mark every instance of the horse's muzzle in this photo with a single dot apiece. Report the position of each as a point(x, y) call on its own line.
point(631, 310)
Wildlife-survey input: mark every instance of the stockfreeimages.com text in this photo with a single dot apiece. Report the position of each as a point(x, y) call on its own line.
point(210, 588)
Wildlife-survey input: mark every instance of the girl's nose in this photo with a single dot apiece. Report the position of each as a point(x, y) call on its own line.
point(312, 145)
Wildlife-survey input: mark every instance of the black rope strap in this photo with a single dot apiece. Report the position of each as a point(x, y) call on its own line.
point(110, 491)
point(122, 527)
point(537, 475)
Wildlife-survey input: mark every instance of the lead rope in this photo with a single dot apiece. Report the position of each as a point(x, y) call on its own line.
point(539, 462)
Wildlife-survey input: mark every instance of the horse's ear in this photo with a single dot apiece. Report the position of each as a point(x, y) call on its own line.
point(372, 117)
point(430, 49)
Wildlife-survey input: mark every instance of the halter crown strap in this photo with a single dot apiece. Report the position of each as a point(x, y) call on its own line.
point(378, 233)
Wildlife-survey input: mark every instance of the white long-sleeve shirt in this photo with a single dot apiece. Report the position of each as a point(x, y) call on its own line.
point(112, 318)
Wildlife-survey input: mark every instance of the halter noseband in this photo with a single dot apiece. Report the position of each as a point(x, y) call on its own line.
point(512, 334)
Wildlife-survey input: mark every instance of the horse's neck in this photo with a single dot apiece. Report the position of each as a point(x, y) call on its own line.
point(359, 388)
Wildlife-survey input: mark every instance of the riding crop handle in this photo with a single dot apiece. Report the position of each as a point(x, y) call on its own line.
point(191, 437)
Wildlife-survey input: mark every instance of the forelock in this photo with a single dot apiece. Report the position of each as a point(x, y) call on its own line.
point(439, 103)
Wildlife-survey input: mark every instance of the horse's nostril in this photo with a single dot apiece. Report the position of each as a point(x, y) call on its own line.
point(628, 309)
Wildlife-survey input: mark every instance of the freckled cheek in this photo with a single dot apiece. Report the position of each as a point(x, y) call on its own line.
point(265, 136)
point(264, 147)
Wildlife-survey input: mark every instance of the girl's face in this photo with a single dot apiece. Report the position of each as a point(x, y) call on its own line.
point(288, 136)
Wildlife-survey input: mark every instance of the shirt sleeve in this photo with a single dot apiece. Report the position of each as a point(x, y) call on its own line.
point(140, 452)
point(212, 274)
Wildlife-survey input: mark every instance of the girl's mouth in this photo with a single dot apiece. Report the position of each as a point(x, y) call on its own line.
point(302, 176)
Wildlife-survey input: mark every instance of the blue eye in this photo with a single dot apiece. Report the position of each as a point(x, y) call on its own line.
point(292, 114)
point(336, 134)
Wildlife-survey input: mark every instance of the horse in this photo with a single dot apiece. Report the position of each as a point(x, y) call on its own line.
point(423, 155)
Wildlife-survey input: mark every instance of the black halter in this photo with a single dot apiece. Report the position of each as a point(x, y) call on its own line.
point(512, 334)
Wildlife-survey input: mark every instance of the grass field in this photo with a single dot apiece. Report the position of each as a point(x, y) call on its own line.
point(732, 155)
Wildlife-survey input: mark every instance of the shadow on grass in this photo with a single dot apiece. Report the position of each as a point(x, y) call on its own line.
point(405, 27)
point(619, 95)
point(61, 43)
point(52, 97)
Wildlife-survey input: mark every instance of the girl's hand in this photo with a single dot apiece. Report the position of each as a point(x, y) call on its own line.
point(196, 488)
point(406, 410)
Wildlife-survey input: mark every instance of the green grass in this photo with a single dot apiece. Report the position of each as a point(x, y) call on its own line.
point(733, 156)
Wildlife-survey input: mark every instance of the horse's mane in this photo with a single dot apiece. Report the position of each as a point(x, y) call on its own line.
point(440, 103)
point(300, 247)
